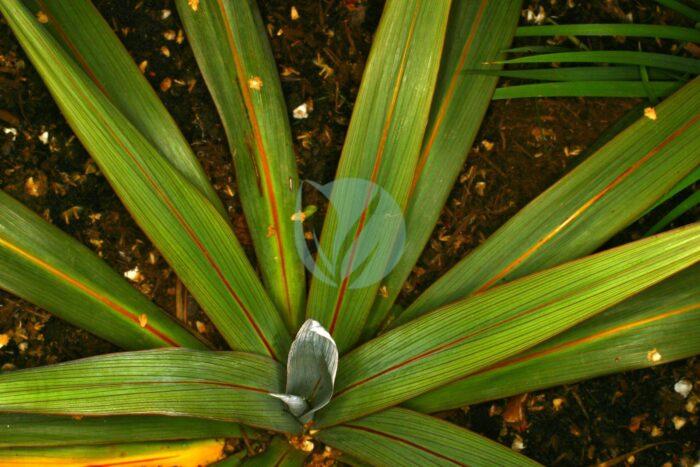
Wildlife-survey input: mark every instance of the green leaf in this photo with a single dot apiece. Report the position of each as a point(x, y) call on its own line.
point(203, 452)
point(244, 82)
point(30, 430)
point(41, 264)
point(90, 41)
point(382, 147)
point(587, 89)
point(190, 233)
point(402, 437)
point(476, 33)
point(279, 454)
point(681, 8)
point(581, 73)
point(687, 204)
point(664, 318)
point(468, 335)
point(228, 386)
point(690, 179)
point(601, 196)
point(670, 62)
point(597, 29)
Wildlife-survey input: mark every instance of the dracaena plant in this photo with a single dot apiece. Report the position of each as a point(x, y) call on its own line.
point(528, 309)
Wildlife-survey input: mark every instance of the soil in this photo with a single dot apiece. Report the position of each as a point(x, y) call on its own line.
point(523, 147)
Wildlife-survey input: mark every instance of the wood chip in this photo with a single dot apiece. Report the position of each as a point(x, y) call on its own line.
point(294, 14)
point(42, 17)
point(166, 84)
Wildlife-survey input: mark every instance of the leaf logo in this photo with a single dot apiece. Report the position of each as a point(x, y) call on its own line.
point(366, 230)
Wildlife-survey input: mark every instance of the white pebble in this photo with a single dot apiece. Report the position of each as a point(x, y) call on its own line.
point(683, 387)
point(301, 112)
point(44, 137)
point(10, 131)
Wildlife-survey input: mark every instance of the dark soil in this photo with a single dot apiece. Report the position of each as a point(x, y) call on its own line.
point(624, 418)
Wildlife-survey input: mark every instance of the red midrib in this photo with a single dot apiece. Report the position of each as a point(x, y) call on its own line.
point(257, 136)
point(375, 173)
point(583, 340)
point(87, 290)
point(451, 89)
point(179, 218)
point(576, 214)
point(404, 441)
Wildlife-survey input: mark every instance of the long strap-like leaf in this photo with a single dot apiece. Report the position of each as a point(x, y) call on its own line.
point(663, 319)
point(278, 454)
point(602, 29)
point(88, 38)
point(41, 264)
point(229, 386)
point(183, 453)
point(466, 336)
point(244, 82)
point(195, 239)
point(382, 147)
point(476, 34)
point(601, 196)
point(402, 437)
point(30, 430)
point(669, 62)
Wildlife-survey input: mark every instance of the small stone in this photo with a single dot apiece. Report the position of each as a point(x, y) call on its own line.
point(301, 112)
point(165, 51)
point(683, 387)
point(44, 137)
point(134, 275)
point(165, 14)
point(294, 14)
point(656, 432)
point(169, 35)
point(143, 65)
point(143, 320)
point(650, 113)
point(201, 327)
